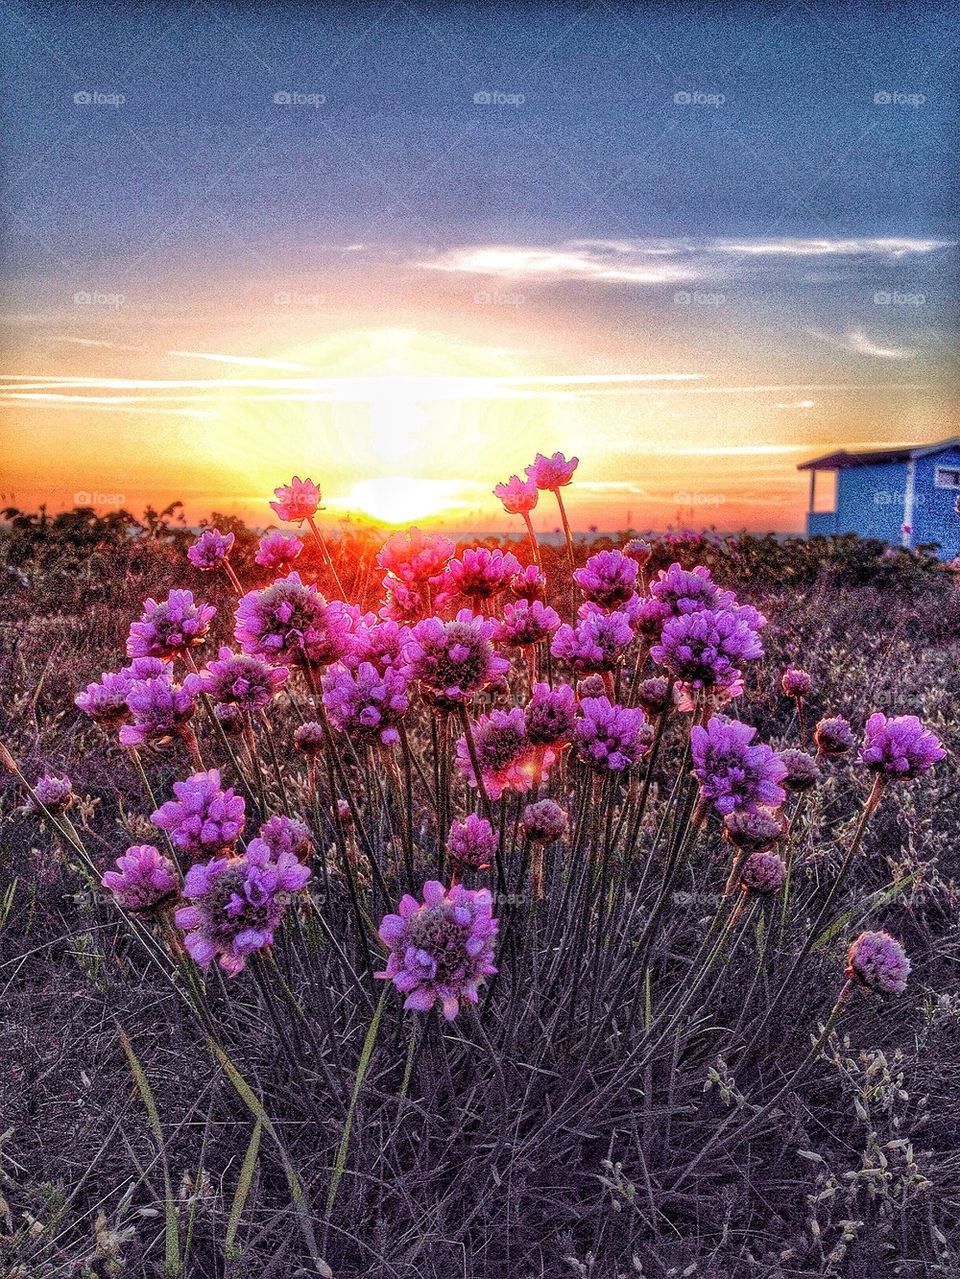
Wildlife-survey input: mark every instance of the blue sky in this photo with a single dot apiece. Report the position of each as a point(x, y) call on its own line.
point(752, 195)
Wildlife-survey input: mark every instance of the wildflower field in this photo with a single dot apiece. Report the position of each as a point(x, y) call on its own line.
point(381, 906)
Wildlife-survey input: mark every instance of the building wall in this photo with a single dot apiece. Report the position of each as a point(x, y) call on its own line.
point(934, 516)
point(870, 501)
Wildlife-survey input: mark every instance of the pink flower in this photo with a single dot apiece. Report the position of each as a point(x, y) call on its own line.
point(527, 623)
point(551, 472)
point(278, 550)
point(210, 549)
point(414, 556)
point(296, 501)
point(480, 573)
point(518, 496)
point(529, 584)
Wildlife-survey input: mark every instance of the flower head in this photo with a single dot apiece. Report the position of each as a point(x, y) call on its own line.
point(309, 737)
point(763, 872)
point(705, 648)
point(639, 550)
point(290, 621)
point(241, 680)
point(550, 715)
point(527, 622)
point(597, 642)
point(610, 737)
point(287, 835)
point(296, 501)
point(654, 695)
point(833, 736)
point(203, 819)
point(507, 759)
point(230, 718)
point(802, 772)
point(365, 703)
point(608, 578)
point(472, 843)
point(754, 830)
point(543, 822)
point(551, 472)
point(442, 948)
point(159, 710)
point(732, 772)
point(796, 683)
point(899, 747)
point(380, 643)
point(210, 549)
point(879, 962)
point(55, 794)
point(237, 903)
point(106, 702)
point(278, 550)
point(481, 573)
point(170, 627)
point(414, 556)
point(453, 660)
point(529, 584)
point(680, 591)
point(144, 881)
point(519, 497)
point(401, 603)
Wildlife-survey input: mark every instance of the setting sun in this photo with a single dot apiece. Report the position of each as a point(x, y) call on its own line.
point(400, 499)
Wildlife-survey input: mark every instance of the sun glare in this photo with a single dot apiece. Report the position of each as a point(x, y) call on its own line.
point(400, 499)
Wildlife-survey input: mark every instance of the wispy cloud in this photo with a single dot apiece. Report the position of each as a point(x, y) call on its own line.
point(250, 361)
point(604, 262)
point(857, 342)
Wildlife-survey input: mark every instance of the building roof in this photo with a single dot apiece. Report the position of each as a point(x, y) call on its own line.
point(842, 460)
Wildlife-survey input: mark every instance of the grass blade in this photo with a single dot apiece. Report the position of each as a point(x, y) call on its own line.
point(243, 1189)
point(365, 1055)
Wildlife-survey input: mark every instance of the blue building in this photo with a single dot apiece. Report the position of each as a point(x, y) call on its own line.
point(905, 496)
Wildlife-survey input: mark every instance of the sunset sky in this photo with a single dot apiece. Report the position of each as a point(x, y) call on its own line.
point(400, 248)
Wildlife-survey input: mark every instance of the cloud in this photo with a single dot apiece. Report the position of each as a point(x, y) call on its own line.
point(663, 261)
point(858, 343)
point(253, 361)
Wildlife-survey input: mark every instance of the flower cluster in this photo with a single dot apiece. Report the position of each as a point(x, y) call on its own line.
point(453, 660)
point(210, 550)
point(472, 843)
point(899, 747)
point(237, 903)
point(158, 710)
point(878, 962)
point(527, 622)
point(608, 578)
point(598, 642)
point(480, 574)
point(366, 703)
point(240, 680)
point(442, 948)
point(203, 819)
point(610, 738)
point(291, 621)
point(296, 501)
point(733, 771)
point(144, 882)
point(278, 550)
point(169, 628)
point(505, 755)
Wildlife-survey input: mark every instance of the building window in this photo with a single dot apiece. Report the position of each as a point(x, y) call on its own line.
point(947, 477)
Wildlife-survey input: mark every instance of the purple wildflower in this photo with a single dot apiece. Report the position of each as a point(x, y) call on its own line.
point(551, 473)
point(472, 843)
point(527, 622)
point(899, 747)
point(210, 550)
point(278, 550)
point(106, 702)
point(608, 578)
point(203, 819)
point(610, 737)
point(241, 680)
point(169, 628)
point(365, 703)
point(287, 835)
point(763, 872)
point(879, 962)
point(754, 830)
point(309, 737)
point(681, 591)
point(833, 736)
point(481, 573)
point(414, 556)
point(802, 770)
point(440, 949)
point(596, 643)
point(145, 881)
point(402, 603)
point(732, 772)
point(796, 683)
point(654, 695)
point(55, 794)
point(519, 497)
point(704, 648)
point(453, 660)
point(506, 757)
point(236, 904)
point(550, 715)
point(290, 621)
point(529, 584)
point(543, 822)
point(159, 710)
point(639, 550)
point(380, 643)
point(296, 501)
